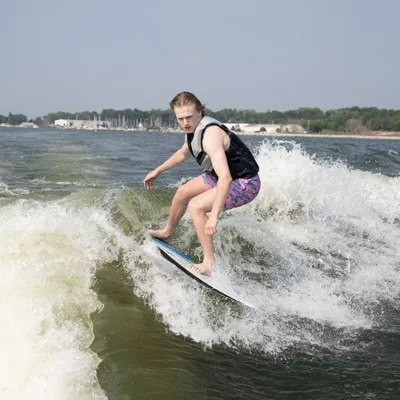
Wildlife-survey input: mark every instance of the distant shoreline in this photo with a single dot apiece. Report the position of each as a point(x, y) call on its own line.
point(367, 135)
point(380, 135)
point(395, 136)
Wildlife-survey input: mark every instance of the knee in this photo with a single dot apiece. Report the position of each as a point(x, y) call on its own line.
point(194, 207)
point(182, 193)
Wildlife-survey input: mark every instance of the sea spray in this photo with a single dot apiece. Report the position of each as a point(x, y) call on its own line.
point(48, 258)
point(317, 245)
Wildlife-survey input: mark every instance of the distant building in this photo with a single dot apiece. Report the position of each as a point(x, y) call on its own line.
point(264, 129)
point(233, 126)
point(28, 125)
point(81, 124)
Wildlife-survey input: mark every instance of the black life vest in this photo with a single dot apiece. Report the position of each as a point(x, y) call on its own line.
point(241, 162)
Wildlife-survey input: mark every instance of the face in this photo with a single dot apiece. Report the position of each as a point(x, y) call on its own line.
point(188, 117)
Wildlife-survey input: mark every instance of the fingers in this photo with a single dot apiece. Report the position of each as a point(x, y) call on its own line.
point(148, 183)
point(210, 230)
point(150, 178)
point(211, 227)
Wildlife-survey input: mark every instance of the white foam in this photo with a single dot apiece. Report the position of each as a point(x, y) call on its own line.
point(4, 189)
point(48, 256)
point(179, 182)
point(320, 245)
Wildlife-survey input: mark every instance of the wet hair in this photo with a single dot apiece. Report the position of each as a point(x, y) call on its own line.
point(186, 98)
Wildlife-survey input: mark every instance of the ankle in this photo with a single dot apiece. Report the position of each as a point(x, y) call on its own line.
point(167, 231)
point(209, 261)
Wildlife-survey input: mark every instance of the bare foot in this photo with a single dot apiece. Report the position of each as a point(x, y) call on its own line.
point(204, 268)
point(161, 234)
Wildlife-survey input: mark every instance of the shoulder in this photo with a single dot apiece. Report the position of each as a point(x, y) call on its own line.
point(213, 138)
point(213, 132)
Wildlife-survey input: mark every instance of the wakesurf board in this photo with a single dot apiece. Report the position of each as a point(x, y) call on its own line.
point(183, 262)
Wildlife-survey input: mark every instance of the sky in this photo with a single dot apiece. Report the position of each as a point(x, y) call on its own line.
point(254, 54)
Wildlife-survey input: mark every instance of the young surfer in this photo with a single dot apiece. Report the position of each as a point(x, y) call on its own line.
point(230, 178)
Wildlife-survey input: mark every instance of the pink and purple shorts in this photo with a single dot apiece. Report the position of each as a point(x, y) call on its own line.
point(242, 191)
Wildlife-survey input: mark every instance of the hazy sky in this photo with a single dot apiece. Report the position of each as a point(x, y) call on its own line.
point(260, 54)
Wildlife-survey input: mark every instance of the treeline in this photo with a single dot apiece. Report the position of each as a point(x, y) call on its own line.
point(352, 119)
point(13, 119)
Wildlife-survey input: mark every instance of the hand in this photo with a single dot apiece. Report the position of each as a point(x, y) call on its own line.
point(211, 225)
point(150, 178)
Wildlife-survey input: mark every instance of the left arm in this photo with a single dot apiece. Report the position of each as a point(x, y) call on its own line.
point(213, 144)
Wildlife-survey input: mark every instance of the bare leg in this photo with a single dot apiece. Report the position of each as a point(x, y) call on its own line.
point(179, 205)
point(198, 207)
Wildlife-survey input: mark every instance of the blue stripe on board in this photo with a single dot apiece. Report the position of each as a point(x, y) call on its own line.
point(172, 249)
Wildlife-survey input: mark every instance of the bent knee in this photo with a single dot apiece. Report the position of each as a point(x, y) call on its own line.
point(195, 206)
point(183, 193)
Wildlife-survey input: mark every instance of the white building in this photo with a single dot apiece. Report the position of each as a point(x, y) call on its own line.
point(264, 129)
point(81, 124)
point(28, 125)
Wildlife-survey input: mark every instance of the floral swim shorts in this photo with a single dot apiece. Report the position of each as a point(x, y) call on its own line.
point(242, 191)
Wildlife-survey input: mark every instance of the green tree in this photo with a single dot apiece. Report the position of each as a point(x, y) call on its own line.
point(309, 113)
point(319, 125)
point(16, 119)
point(382, 123)
point(396, 123)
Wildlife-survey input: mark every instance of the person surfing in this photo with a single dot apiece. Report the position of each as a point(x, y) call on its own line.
point(230, 178)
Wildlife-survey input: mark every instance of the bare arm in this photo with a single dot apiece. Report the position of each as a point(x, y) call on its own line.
point(213, 144)
point(177, 158)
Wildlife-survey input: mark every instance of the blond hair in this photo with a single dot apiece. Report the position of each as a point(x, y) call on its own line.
point(186, 98)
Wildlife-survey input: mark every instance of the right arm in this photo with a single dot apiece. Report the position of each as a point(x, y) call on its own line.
point(177, 158)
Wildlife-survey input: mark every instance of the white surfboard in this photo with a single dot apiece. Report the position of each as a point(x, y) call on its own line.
point(181, 261)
